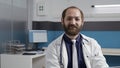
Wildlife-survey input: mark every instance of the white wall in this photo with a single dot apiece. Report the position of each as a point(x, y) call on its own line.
point(105, 2)
point(53, 9)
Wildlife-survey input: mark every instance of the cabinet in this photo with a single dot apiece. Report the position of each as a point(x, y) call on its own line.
point(22, 61)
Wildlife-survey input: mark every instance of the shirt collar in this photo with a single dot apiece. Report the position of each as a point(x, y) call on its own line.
point(67, 39)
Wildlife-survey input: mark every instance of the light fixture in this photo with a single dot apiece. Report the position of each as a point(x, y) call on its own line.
point(113, 5)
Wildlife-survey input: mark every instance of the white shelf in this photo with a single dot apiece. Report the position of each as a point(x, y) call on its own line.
point(111, 51)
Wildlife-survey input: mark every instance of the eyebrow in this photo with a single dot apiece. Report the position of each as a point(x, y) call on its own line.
point(74, 16)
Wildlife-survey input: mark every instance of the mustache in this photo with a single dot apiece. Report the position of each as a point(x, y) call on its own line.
point(73, 26)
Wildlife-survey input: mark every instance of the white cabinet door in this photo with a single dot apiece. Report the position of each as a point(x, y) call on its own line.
point(22, 61)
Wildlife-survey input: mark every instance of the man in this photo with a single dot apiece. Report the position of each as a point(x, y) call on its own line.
point(61, 51)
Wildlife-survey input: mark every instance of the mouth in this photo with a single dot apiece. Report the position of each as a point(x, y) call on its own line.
point(72, 27)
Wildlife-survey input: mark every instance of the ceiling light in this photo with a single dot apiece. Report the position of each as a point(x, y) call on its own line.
point(116, 5)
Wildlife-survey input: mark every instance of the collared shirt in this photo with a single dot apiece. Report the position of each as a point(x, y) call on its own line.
point(68, 42)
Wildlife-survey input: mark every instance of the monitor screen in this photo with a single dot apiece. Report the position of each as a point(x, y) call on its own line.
point(37, 36)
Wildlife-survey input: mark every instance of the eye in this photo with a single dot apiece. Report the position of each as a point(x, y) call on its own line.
point(69, 18)
point(77, 19)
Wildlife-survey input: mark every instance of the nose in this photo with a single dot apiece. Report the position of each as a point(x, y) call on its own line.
point(73, 21)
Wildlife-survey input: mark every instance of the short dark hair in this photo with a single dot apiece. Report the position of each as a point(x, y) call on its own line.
point(64, 12)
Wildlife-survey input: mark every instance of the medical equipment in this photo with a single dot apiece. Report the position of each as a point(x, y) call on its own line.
point(60, 61)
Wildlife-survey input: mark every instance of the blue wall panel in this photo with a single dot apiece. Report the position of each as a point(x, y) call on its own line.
point(107, 39)
point(113, 60)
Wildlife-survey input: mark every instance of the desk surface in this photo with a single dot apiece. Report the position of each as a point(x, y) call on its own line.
point(111, 51)
point(38, 54)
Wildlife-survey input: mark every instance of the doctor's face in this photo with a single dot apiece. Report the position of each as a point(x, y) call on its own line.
point(72, 22)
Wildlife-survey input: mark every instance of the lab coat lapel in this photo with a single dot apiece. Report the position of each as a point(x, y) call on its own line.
point(64, 55)
point(86, 53)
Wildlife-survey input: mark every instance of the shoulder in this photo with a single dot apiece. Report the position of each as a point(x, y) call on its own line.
point(89, 40)
point(53, 48)
point(91, 44)
point(56, 42)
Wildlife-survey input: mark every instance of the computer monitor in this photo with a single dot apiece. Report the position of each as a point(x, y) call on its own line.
point(37, 36)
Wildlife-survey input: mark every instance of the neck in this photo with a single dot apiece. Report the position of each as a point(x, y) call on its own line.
point(72, 37)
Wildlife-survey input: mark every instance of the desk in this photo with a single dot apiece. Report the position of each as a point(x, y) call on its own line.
point(22, 61)
point(111, 51)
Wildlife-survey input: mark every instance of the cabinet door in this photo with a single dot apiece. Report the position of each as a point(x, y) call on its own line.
point(15, 61)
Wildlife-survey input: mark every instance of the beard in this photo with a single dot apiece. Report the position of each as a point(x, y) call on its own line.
point(72, 30)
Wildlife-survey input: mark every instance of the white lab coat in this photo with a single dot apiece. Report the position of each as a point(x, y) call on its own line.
point(91, 51)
